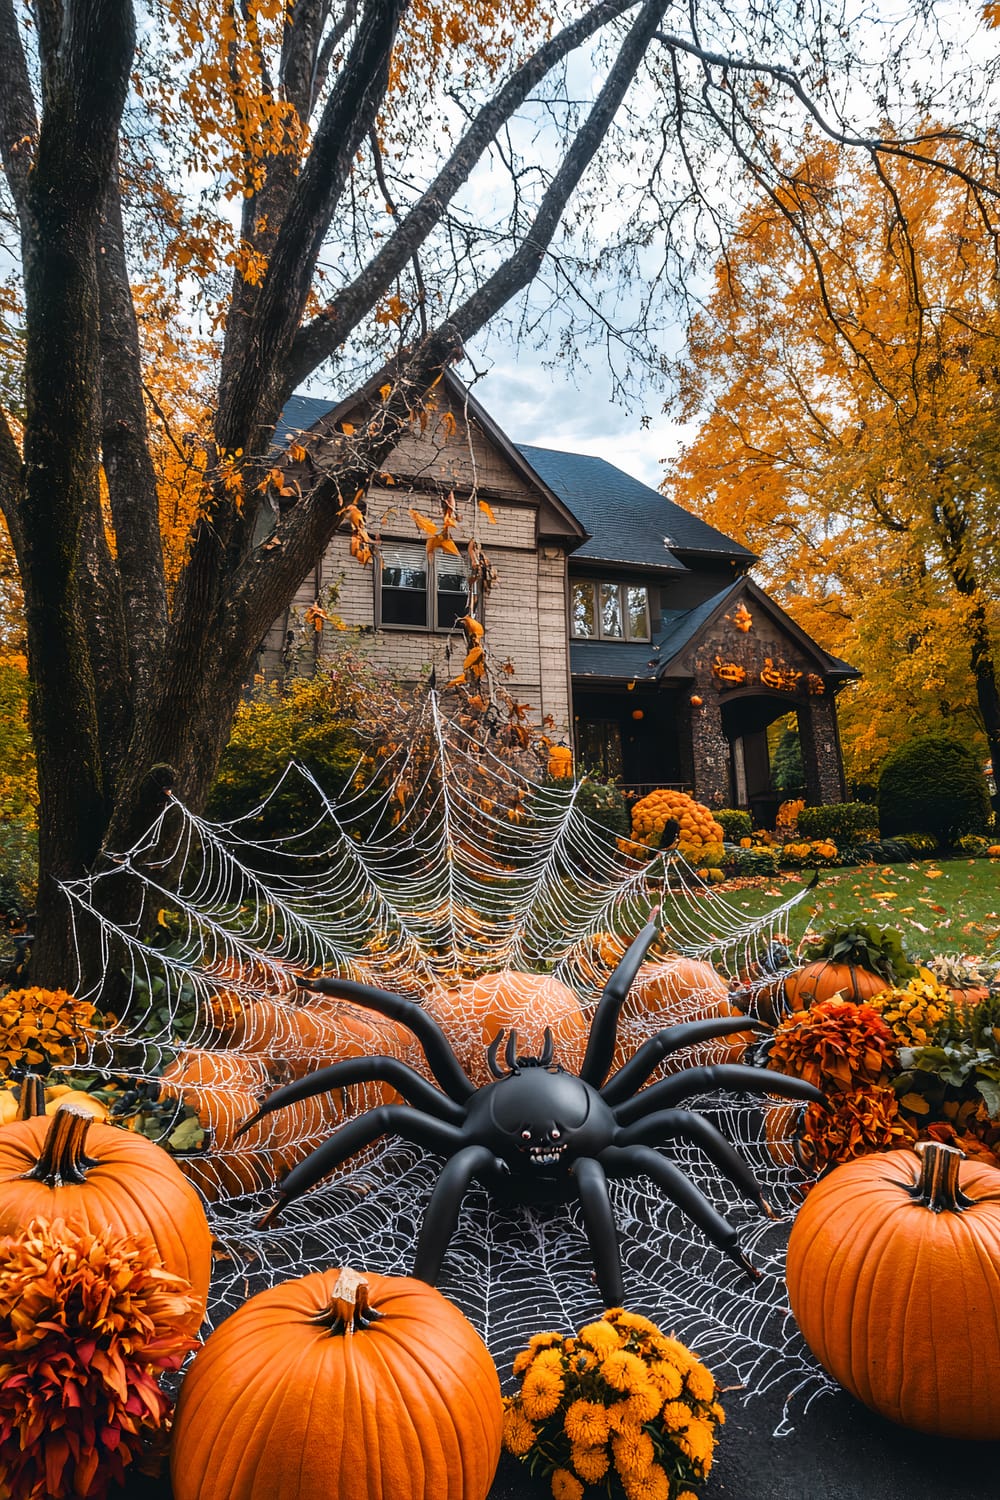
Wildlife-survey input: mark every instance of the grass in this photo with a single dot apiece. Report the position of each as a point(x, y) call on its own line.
point(940, 906)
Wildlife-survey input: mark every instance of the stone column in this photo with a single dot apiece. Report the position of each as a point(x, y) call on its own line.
point(709, 752)
point(821, 750)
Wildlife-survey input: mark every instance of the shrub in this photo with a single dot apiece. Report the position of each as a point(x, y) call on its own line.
point(735, 824)
point(814, 852)
point(919, 844)
point(843, 822)
point(757, 861)
point(604, 803)
point(936, 783)
point(974, 844)
point(18, 869)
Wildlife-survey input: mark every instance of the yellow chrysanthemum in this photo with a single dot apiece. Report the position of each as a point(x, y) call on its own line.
point(600, 1336)
point(717, 1412)
point(645, 1401)
point(582, 1361)
point(544, 1341)
point(687, 1495)
point(549, 1359)
point(541, 1393)
point(676, 1353)
point(586, 1423)
point(667, 1379)
point(698, 1442)
point(623, 1371)
point(590, 1463)
point(653, 1485)
point(676, 1416)
point(522, 1361)
point(622, 1419)
point(518, 1433)
point(566, 1486)
point(634, 1322)
point(700, 1383)
point(633, 1452)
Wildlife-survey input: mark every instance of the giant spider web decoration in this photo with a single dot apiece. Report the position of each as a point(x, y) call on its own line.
point(444, 866)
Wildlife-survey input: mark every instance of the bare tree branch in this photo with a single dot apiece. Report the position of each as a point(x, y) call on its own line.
point(18, 124)
point(321, 338)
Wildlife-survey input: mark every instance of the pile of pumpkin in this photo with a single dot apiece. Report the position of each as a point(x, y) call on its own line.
point(903, 1052)
point(105, 1290)
point(893, 1264)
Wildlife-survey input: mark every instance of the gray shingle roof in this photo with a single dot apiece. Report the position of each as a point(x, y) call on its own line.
point(298, 415)
point(628, 521)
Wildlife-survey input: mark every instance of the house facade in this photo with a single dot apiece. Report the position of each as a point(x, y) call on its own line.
point(630, 624)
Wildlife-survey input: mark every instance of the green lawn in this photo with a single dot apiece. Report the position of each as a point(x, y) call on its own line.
point(940, 906)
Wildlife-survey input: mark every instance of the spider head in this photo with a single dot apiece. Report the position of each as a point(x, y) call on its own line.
point(538, 1117)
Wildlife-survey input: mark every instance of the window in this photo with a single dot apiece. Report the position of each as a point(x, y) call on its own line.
point(609, 611)
point(419, 592)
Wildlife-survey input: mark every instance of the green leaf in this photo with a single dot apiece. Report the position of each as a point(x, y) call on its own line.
point(188, 1136)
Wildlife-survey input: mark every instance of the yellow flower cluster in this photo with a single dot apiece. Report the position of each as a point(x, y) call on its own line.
point(914, 1013)
point(698, 829)
point(44, 1026)
point(818, 851)
point(617, 1400)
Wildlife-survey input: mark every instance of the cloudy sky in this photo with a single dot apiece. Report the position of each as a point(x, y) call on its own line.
point(573, 410)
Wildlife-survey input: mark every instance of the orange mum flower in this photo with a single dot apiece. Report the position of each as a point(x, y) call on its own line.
point(87, 1323)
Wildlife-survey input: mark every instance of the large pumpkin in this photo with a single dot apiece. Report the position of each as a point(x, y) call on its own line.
point(95, 1176)
point(337, 1385)
point(820, 980)
point(475, 1010)
point(225, 1089)
point(683, 989)
point(894, 1279)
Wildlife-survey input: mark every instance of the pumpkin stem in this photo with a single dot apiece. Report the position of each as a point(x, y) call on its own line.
point(32, 1100)
point(937, 1186)
point(62, 1159)
point(349, 1308)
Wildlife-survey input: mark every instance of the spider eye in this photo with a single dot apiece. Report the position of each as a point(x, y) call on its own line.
point(555, 1132)
point(526, 1135)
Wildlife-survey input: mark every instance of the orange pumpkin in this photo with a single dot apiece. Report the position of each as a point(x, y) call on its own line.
point(474, 1010)
point(94, 1176)
point(339, 1385)
point(224, 1089)
point(894, 1279)
point(686, 989)
point(820, 980)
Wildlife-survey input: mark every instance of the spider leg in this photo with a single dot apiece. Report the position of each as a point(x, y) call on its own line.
point(435, 1045)
point(387, 1119)
point(678, 1086)
point(341, 1075)
point(602, 1231)
point(604, 1027)
point(666, 1123)
point(633, 1161)
point(633, 1074)
point(443, 1206)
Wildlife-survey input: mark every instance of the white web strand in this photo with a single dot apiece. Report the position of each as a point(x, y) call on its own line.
point(446, 865)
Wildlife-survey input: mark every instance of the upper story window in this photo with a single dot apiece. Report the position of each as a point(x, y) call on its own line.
point(609, 611)
point(418, 592)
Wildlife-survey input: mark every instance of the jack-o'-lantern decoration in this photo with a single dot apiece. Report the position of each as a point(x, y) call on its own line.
point(742, 618)
point(729, 672)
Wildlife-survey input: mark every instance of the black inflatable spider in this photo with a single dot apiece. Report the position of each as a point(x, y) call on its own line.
point(538, 1134)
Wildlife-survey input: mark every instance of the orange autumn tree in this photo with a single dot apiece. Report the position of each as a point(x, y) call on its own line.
point(212, 203)
point(846, 385)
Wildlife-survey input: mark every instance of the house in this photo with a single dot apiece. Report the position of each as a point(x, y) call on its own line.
point(631, 624)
